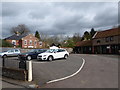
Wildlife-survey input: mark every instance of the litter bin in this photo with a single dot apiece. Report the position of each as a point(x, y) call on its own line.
point(22, 64)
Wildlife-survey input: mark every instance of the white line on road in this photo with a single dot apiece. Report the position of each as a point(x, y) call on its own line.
point(69, 75)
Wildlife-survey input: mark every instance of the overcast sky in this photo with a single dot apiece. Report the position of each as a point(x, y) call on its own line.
point(57, 18)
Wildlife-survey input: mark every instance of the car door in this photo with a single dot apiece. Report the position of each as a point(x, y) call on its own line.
point(10, 53)
point(58, 53)
point(16, 52)
point(35, 54)
point(61, 53)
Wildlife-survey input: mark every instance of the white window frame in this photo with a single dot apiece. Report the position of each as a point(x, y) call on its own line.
point(40, 43)
point(14, 42)
point(30, 42)
point(25, 42)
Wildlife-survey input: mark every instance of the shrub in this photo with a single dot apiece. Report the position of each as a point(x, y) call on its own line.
point(6, 44)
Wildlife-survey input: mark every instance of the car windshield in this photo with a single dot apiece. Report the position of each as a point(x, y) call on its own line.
point(38, 50)
point(42, 50)
point(51, 50)
point(33, 50)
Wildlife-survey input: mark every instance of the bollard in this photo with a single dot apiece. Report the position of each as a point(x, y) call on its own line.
point(29, 70)
point(3, 62)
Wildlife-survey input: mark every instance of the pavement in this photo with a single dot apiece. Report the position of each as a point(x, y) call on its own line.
point(99, 71)
point(11, 83)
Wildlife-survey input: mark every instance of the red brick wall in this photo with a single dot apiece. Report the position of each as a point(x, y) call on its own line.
point(29, 38)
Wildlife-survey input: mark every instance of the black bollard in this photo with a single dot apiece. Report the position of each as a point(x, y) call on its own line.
point(3, 63)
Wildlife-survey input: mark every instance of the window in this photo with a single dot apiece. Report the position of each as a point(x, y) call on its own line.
point(107, 39)
point(14, 42)
point(16, 50)
point(30, 42)
point(10, 51)
point(111, 38)
point(60, 50)
point(25, 42)
point(98, 41)
point(35, 43)
point(40, 43)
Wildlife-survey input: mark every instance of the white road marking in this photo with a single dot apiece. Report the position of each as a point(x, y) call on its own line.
point(56, 80)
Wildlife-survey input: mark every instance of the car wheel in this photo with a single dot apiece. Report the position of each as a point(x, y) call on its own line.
point(4, 56)
point(29, 57)
point(50, 58)
point(66, 56)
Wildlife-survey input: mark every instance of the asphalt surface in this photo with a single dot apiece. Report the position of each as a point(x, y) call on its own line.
point(99, 71)
point(44, 71)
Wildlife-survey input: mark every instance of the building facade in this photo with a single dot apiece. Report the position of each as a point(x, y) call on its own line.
point(25, 41)
point(103, 42)
point(84, 47)
point(107, 42)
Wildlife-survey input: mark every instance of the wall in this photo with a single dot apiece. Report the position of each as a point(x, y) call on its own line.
point(29, 38)
point(103, 41)
point(14, 73)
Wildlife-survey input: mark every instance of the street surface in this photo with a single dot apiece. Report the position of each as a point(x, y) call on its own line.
point(99, 71)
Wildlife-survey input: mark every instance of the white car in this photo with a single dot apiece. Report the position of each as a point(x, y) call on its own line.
point(12, 52)
point(51, 54)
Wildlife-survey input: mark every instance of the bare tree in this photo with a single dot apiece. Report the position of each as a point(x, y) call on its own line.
point(20, 29)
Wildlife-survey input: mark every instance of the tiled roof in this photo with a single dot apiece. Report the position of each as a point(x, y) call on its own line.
point(15, 37)
point(107, 33)
point(84, 43)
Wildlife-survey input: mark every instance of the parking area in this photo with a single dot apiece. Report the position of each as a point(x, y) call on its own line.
point(44, 71)
point(99, 71)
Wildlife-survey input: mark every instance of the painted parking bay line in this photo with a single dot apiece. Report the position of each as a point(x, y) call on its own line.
point(56, 80)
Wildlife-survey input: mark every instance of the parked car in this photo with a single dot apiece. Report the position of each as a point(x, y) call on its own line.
point(31, 54)
point(52, 54)
point(12, 52)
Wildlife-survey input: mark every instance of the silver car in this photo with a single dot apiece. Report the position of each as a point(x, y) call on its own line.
point(12, 52)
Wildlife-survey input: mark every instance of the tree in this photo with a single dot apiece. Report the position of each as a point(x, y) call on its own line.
point(92, 32)
point(20, 29)
point(86, 36)
point(37, 35)
point(6, 44)
point(76, 37)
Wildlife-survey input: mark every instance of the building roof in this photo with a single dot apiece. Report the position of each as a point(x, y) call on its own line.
point(16, 37)
point(107, 33)
point(84, 43)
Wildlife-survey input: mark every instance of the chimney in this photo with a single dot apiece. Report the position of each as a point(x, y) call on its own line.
point(17, 33)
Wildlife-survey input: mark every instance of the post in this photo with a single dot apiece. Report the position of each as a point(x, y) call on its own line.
point(3, 62)
point(29, 70)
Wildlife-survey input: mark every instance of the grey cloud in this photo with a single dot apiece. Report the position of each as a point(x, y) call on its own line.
point(59, 18)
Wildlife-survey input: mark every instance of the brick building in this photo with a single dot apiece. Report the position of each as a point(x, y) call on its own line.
point(107, 42)
point(103, 42)
point(25, 41)
point(83, 47)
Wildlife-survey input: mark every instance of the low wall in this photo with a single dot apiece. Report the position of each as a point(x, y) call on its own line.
point(70, 50)
point(15, 73)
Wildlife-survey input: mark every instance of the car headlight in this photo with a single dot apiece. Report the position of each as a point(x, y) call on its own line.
point(44, 55)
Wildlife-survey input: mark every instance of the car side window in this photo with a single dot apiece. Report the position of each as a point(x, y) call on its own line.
point(60, 50)
point(10, 51)
point(16, 50)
